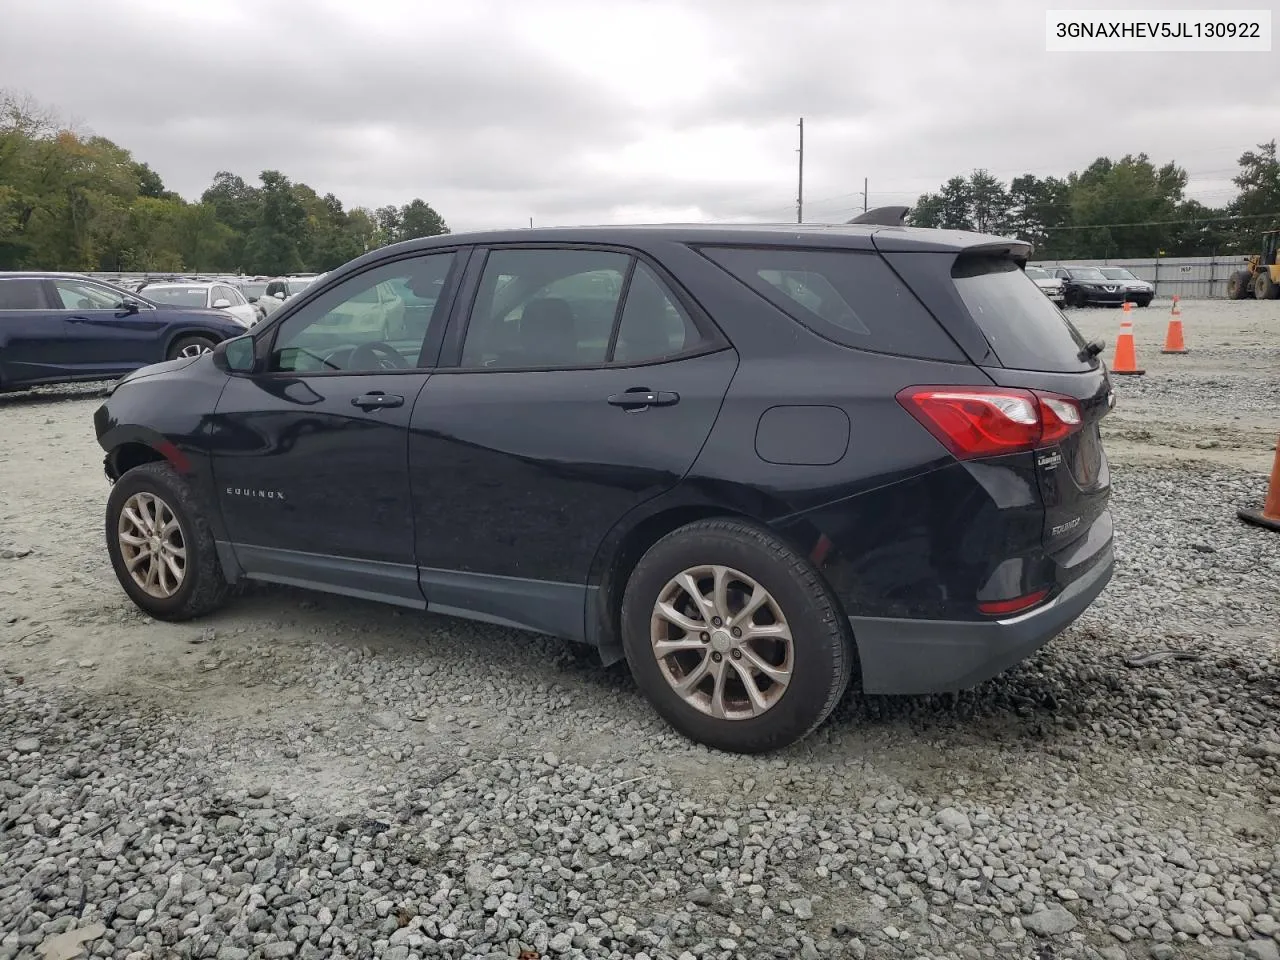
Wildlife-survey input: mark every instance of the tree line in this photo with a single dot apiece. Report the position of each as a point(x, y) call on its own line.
point(1113, 209)
point(71, 201)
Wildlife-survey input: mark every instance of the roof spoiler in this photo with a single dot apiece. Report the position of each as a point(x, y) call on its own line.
point(883, 217)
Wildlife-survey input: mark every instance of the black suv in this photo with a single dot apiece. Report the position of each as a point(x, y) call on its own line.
point(1083, 286)
point(751, 461)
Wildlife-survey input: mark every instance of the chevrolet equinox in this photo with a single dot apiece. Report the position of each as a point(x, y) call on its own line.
point(754, 462)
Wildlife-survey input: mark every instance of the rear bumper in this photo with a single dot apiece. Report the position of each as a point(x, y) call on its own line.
point(901, 656)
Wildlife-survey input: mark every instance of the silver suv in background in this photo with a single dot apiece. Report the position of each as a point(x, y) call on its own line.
point(282, 288)
point(1051, 287)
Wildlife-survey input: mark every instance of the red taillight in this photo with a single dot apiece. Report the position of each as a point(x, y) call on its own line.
point(975, 422)
point(999, 608)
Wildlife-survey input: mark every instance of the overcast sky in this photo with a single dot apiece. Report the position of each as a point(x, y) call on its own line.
point(594, 111)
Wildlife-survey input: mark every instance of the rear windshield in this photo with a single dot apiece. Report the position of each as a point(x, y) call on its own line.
point(849, 297)
point(1024, 328)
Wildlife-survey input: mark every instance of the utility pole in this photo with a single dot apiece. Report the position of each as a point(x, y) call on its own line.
point(800, 186)
point(864, 194)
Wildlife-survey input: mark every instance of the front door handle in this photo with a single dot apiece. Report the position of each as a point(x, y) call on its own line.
point(376, 400)
point(640, 397)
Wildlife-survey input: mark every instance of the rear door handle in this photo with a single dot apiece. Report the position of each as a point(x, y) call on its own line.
point(640, 397)
point(375, 400)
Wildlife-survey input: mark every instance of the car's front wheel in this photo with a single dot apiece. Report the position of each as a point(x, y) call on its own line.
point(193, 346)
point(160, 545)
point(735, 638)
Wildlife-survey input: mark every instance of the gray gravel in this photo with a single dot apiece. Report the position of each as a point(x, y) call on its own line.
point(305, 776)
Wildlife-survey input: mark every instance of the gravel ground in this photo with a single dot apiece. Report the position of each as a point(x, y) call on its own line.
point(311, 776)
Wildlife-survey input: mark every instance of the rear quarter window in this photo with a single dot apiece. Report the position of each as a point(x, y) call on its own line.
point(1025, 330)
point(21, 294)
point(850, 297)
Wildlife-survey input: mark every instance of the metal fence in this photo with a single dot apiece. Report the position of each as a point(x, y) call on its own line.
point(1191, 278)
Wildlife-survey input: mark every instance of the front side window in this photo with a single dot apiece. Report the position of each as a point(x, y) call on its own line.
point(353, 328)
point(82, 295)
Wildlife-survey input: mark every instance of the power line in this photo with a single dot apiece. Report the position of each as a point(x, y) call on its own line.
point(1165, 223)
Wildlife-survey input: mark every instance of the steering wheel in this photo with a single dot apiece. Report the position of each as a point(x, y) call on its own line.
point(377, 356)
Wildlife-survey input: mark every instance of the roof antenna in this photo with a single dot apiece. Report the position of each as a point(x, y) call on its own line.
point(883, 217)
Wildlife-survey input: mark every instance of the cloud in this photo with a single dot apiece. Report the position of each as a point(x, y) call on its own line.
point(576, 111)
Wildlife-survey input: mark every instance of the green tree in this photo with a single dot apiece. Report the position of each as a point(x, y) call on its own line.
point(1258, 204)
point(419, 219)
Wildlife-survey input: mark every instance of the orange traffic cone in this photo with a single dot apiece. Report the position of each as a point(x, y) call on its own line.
point(1269, 516)
point(1126, 360)
point(1173, 339)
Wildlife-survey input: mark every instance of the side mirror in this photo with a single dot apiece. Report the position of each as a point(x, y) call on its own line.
point(279, 294)
point(129, 305)
point(253, 299)
point(237, 355)
point(221, 303)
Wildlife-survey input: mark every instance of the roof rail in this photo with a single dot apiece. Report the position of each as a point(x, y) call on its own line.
point(883, 217)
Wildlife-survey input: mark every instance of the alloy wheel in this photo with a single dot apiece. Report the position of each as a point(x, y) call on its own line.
point(152, 545)
point(195, 350)
point(722, 642)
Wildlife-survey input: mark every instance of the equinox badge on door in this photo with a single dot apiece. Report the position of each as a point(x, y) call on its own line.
point(256, 494)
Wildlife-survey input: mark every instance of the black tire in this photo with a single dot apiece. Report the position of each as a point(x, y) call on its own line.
point(822, 645)
point(1075, 298)
point(203, 588)
point(1264, 288)
point(1146, 302)
point(1238, 285)
point(183, 344)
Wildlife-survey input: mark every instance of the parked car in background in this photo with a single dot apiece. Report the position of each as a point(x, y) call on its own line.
point(282, 288)
point(210, 294)
point(1135, 291)
point(60, 328)
point(254, 289)
point(1083, 286)
point(744, 459)
point(1051, 287)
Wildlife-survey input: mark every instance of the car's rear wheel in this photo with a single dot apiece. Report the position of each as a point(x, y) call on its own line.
point(160, 545)
point(191, 347)
point(735, 638)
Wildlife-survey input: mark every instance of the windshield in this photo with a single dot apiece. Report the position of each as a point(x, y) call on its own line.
point(1035, 273)
point(179, 296)
point(1087, 273)
point(253, 289)
point(1117, 273)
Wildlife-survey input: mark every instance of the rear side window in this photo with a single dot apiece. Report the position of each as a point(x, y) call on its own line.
point(1024, 328)
point(21, 294)
point(850, 297)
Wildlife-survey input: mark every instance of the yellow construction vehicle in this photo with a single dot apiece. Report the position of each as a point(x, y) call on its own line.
point(1262, 277)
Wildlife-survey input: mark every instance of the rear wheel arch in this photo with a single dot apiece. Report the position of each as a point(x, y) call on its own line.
point(615, 563)
point(617, 559)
